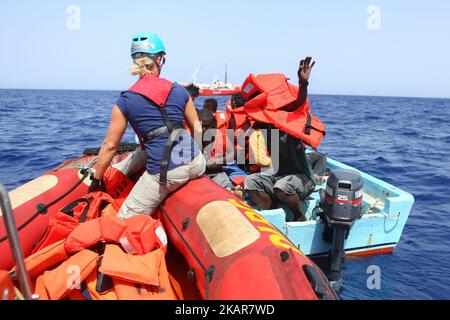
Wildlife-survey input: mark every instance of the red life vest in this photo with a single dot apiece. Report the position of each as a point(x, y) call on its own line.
point(154, 88)
point(268, 94)
point(157, 90)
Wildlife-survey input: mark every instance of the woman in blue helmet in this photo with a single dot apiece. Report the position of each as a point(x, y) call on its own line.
point(156, 109)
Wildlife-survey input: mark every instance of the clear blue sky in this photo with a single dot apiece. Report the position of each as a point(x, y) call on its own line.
point(408, 56)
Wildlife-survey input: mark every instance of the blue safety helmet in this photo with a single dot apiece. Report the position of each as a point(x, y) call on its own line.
point(146, 42)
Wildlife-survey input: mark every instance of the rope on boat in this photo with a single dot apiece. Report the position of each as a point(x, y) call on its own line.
point(370, 210)
point(41, 208)
point(389, 218)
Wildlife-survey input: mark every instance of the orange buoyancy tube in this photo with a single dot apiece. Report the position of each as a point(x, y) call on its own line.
point(232, 251)
point(267, 97)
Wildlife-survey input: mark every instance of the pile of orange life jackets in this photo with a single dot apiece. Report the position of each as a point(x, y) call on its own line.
point(89, 253)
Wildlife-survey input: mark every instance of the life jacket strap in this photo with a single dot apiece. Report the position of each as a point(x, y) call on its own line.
point(71, 206)
point(174, 131)
point(148, 136)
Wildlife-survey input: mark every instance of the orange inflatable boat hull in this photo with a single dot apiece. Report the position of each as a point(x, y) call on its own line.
point(233, 252)
point(230, 251)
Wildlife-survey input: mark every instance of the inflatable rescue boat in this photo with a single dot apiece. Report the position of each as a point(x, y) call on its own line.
point(218, 246)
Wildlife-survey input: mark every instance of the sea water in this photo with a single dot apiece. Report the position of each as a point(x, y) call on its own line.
point(404, 141)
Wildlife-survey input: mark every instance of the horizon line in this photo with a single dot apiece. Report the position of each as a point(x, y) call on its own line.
point(311, 93)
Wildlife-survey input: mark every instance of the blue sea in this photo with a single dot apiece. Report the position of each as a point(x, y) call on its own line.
point(404, 141)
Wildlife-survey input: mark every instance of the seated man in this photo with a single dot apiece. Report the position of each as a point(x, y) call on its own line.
point(293, 179)
point(219, 159)
point(210, 104)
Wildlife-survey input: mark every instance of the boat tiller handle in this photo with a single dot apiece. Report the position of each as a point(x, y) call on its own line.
point(14, 242)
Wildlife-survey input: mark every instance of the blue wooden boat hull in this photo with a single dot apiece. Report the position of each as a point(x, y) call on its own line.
point(386, 209)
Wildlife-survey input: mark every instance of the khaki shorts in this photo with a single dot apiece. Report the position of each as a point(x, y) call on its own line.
point(147, 193)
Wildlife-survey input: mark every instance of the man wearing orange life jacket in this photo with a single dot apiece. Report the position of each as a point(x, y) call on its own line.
point(231, 125)
point(219, 157)
point(292, 180)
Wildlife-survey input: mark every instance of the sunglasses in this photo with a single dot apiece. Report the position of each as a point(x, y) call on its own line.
point(139, 55)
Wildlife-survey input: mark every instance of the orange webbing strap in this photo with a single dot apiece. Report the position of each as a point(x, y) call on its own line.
point(69, 275)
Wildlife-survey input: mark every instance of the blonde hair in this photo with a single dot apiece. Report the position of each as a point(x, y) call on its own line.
point(142, 66)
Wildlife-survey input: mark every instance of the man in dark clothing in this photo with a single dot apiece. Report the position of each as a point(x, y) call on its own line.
point(292, 180)
point(210, 104)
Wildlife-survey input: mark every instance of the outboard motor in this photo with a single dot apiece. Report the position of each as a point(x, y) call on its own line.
point(341, 203)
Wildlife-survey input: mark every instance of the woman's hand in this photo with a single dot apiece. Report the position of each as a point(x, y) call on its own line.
point(304, 69)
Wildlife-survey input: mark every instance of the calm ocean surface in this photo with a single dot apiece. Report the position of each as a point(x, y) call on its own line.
point(404, 141)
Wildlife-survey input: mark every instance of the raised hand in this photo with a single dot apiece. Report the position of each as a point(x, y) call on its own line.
point(304, 69)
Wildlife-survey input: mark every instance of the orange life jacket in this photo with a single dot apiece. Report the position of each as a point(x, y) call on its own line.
point(89, 207)
point(220, 138)
point(57, 283)
point(268, 94)
point(81, 210)
point(139, 234)
point(127, 288)
point(62, 269)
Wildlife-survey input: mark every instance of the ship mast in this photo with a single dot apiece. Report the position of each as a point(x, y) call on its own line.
point(194, 75)
point(226, 73)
